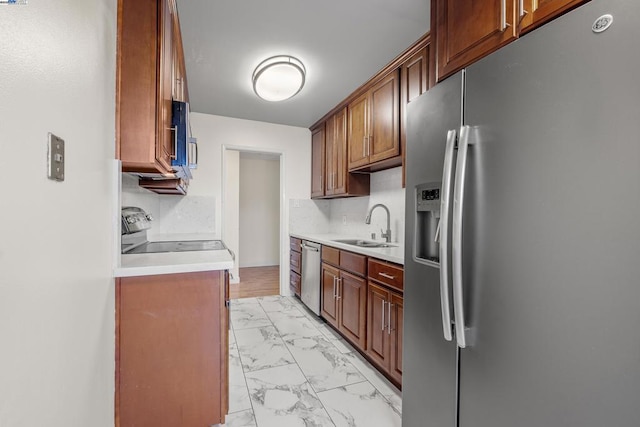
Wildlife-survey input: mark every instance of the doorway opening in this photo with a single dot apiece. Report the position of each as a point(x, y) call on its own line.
point(252, 212)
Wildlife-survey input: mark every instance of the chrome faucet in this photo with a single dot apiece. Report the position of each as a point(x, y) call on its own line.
point(367, 220)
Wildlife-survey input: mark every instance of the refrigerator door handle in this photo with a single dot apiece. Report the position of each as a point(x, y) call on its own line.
point(443, 227)
point(456, 234)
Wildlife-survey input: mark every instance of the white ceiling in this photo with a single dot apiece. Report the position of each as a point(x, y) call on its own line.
point(341, 42)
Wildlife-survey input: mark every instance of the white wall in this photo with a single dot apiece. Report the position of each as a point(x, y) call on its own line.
point(259, 210)
point(231, 203)
point(57, 74)
point(217, 133)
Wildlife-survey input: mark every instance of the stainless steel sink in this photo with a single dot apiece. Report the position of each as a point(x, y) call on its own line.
point(364, 243)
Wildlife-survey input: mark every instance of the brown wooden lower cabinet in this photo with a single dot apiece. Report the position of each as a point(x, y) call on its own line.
point(294, 283)
point(385, 329)
point(295, 265)
point(172, 349)
point(329, 283)
point(344, 303)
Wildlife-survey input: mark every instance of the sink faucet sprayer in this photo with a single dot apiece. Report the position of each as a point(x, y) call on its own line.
point(367, 220)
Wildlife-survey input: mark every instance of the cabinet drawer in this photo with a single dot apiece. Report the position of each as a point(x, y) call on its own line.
point(389, 274)
point(354, 263)
point(294, 282)
point(295, 261)
point(331, 255)
point(295, 244)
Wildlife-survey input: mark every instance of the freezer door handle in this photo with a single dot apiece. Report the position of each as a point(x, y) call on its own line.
point(443, 227)
point(456, 234)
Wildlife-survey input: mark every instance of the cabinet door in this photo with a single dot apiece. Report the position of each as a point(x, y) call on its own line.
point(396, 330)
point(352, 301)
point(339, 155)
point(294, 282)
point(165, 147)
point(377, 317)
point(317, 162)
point(330, 137)
point(384, 137)
point(358, 131)
point(470, 29)
point(160, 349)
point(534, 13)
point(415, 76)
point(329, 308)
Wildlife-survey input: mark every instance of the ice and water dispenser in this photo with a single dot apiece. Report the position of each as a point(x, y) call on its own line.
point(427, 229)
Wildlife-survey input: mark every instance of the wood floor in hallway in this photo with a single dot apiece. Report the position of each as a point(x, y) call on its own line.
point(256, 282)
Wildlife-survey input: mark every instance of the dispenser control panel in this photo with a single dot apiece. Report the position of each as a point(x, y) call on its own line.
point(428, 197)
point(431, 194)
point(426, 239)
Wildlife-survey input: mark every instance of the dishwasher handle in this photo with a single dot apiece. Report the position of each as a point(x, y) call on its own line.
point(310, 248)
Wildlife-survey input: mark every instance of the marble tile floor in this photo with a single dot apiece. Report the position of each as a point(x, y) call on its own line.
point(288, 368)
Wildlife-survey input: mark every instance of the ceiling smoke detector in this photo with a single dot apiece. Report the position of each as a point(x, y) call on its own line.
point(278, 78)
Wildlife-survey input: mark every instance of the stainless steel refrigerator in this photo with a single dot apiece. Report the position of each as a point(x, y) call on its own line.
point(522, 262)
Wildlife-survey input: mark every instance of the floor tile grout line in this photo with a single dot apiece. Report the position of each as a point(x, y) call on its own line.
point(307, 381)
point(380, 391)
point(317, 323)
point(244, 376)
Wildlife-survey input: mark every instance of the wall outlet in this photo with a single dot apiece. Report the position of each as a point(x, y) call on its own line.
point(344, 220)
point(296, 203)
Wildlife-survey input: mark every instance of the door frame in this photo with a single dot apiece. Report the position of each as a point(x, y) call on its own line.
point(283, 234)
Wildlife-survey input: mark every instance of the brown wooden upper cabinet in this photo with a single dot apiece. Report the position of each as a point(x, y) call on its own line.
point(180, 91)
point(416, 75)
point(374, 126)
point(317, 161)
point(151, 73)
point(329, 175)
point(467, 30)
point(336, 153)
point(533, 13)
point(470, 29)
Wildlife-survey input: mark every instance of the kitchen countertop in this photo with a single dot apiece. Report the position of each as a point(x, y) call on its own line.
point(173, 262)
point(392, 254)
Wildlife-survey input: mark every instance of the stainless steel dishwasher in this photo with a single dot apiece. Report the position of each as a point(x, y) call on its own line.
point(310, 292)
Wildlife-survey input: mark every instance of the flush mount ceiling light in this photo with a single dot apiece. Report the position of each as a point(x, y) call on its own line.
point(278, 78)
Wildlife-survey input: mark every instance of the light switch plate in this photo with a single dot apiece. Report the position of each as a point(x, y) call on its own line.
point(56, 158)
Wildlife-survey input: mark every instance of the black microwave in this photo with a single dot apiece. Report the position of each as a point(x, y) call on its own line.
point(185, 147)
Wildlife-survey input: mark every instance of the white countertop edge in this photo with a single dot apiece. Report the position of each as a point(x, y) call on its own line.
point(173, 262)
point(171, 269)
point(392, 254)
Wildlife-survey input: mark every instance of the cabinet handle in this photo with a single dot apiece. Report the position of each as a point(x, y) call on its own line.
point(389, 321)
point(503, 15)
point(175, 142)
point(364, 146)
point(383, 302)
point(388, 276)
point(369, 138)
point(338, 290)
point(522, 11)
point(335, 282)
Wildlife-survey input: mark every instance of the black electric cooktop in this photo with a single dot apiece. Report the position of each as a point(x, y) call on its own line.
point(178, 246)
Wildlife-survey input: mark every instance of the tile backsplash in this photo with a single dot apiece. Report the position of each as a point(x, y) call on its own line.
point(346, 216)
point(173, 215)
